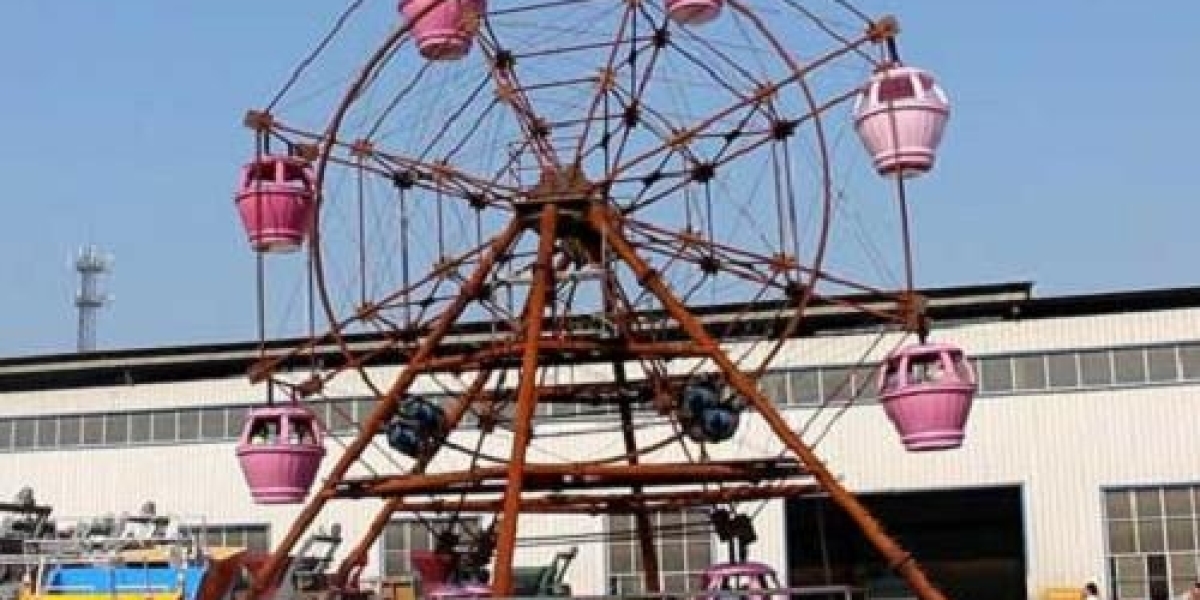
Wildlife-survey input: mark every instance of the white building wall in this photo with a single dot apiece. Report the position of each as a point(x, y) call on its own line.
point(1062, 448)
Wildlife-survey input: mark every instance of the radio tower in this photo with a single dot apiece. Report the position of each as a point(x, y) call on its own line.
point(90, 265)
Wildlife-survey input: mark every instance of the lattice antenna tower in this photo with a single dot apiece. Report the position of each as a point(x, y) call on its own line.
point(91, 266)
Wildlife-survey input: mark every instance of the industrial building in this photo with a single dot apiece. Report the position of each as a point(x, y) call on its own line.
point(1081, 463)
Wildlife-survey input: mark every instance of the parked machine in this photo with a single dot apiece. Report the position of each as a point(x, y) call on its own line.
point(24, 519)
point(547, 580)
point(305, 576)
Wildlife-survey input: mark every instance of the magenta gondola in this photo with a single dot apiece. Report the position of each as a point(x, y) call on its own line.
point(927, 391)
point(275, 199)
point(694, 12)
point(900, 116)
point(280, 451)
point(443, 29)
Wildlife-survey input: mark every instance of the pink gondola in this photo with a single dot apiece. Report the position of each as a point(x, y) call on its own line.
point(694, 12)
point(900, 116)
point(744, 580)
point(280, 451)
point(443, 29)
point(927, 391)
point(275, 199)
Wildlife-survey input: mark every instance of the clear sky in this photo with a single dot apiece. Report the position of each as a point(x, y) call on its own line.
point(1069, 162)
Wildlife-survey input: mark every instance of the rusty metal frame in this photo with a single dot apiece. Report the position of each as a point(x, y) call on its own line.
point(509, 484)
point(564, 208)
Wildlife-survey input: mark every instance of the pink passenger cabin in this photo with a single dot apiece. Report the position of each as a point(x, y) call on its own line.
point(927, 391)
point(443, 29)
point(900, 116)
point(742, 580)
point(694, 12)
point(276, 200)
point(280, 451)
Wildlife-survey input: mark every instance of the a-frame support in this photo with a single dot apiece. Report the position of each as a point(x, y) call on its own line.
point(595, 220)
point(386, 406)
point(543, 276)
point(900, 560)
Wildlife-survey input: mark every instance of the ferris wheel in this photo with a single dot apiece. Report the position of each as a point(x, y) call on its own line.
point(625, 209)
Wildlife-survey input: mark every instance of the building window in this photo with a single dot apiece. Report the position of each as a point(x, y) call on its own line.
point(837, 384)
point(1095, 368)
point(363, 408)
point(139, 428)
point(234, 421)
point(163, 426)
point(24, 433)
point(1153, 541)
point(212, 423)
point(866, 381)
point(188, 428)
point(1062, 370)
point(69, 430)
point(339, 416)
point(1129, 365)
point(1189, 360)
point(995, 374)
point(402, 537)
point(254, 537)
point(1029, 372)
point(93, 430)
point(774, 387)
point(116, 428)
point(684, 543)
point(805, 387)
point(566, 409)
point(1162, 364)
point(47, 432)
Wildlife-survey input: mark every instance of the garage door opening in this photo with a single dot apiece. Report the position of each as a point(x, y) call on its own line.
point(971, 543)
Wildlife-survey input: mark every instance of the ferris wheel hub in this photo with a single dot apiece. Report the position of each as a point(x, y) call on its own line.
point(569, 190)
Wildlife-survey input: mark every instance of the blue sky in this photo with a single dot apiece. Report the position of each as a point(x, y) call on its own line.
point(1069, 160)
